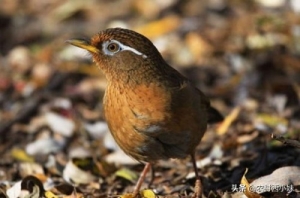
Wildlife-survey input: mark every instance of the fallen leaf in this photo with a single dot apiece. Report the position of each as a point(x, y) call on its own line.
point(280, 180)
point(160, 27)
point(272, 120)
point(147, 193)
point(222, 129)
point(49, 194)
point(143, 194)
point(60, 124)
point(127, 174)
point(21, 155)
point(73, 174)
point(247, 190)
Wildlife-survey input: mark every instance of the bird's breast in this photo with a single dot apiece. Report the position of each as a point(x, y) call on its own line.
point(132, 112)
point(150, 123)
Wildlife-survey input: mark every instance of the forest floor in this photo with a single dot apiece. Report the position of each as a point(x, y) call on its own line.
point(244, 55)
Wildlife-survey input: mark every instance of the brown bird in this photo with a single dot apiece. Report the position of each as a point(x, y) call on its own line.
point(152, 111)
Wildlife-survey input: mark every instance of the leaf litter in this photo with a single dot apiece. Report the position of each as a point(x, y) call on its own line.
point(243, 54)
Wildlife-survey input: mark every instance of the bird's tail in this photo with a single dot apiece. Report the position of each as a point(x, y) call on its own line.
point(214, 116)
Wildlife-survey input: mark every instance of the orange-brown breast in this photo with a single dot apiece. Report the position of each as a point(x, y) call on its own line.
point(151, 122)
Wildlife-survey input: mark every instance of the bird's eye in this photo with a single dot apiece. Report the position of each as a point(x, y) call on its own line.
point(113, 47)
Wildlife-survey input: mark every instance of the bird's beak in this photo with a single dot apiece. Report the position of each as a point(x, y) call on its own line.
point(83, 44)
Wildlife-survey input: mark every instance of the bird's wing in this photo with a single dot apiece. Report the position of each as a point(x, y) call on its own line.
point(214, 115)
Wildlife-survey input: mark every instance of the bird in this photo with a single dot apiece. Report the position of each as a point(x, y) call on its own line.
point(153, 111)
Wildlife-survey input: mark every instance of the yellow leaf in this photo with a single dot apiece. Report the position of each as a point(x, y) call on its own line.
point(49, 194)
point(143, 194)
point(127, 195)
point(228, 120)
point(21, 155)
point(246, 184)
point(127, 174)
point(272, 120)
point(160, 27)
point(147, 193)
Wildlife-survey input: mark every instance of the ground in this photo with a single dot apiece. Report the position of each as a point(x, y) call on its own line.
point(244, 55)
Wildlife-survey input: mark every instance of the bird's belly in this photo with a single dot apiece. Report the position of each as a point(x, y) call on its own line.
point(148, 140)
point(132, 141)
point(146, 127)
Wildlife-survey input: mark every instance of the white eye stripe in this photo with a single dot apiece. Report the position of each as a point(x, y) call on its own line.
point(122, 48)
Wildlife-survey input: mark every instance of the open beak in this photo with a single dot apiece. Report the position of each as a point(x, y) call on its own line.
point(83, 44)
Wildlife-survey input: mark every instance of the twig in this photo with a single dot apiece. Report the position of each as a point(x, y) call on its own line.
point(295, 143)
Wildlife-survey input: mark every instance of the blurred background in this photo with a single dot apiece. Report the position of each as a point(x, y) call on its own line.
point(243, 54)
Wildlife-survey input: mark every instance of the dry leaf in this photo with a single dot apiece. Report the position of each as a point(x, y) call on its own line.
point(147, 193)
point(127, 174)
point(228, 120)
point(247, 189)
point(49, 194)
point(280, 180)
point(31, 168)
point(73, 174)
point(160, 27)
point(60, 124)
point(144, 194)
point(21, 155)
point(272, 120)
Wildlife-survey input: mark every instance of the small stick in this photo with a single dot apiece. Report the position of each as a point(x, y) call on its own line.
point(294, 143)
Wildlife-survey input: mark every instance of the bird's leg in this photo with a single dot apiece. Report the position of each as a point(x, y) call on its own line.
point(141, 180)
point(198, 185)
point(152, 176)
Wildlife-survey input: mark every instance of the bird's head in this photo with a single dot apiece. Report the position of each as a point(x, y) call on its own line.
point(120, 51)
